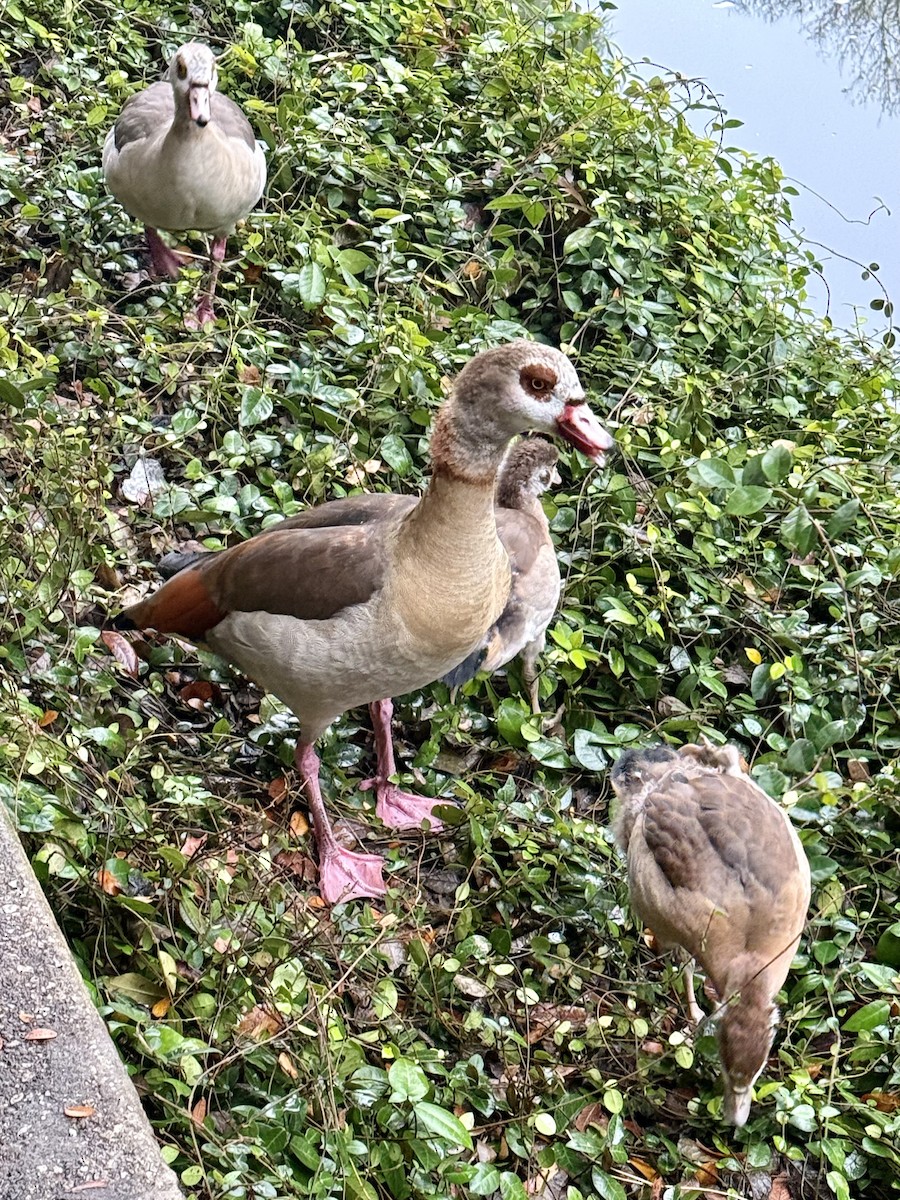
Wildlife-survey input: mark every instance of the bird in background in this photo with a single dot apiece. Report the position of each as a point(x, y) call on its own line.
point(182, 156)
point(716, 868)
point(528, 472)
point(334, 617)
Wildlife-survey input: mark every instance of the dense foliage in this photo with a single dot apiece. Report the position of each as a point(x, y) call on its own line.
point(444, 177)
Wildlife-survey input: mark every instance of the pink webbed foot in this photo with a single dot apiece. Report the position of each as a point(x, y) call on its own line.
point(163, 259)
point(347, 875)
point(402, 810)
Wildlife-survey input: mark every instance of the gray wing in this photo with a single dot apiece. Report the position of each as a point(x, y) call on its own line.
point(143, 114)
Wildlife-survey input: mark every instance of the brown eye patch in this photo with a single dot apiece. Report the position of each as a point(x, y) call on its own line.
point(538, 381)
point(181, 68)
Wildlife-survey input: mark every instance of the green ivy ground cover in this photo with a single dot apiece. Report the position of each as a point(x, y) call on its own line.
point(442, 177)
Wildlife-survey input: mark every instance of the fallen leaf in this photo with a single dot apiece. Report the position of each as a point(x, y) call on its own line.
point(40, 1035)
point(298, 825)
point(651, 1047)
point(858, 770)
point(886, 1102)
point(198, 689)
point(192, 844)
point(259, 1023)
point(121, 650)
point(198, 1112)
point(33, 104)
point(644, 1168)
point(250, 374)
point(161, 1007)
point(223, 944)
point(287, 1064)
point(277, 789)
point(108, 882)
point(252, 274)
point(707, 1174)
point(48, 718)
point(296, 863)
point(24, 1016)
point(79, 1110)
point(591, 1114)
point(92, 1183)
point(780, 1189)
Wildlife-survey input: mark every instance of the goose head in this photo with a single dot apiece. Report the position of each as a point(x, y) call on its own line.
point(193, 76)
point(529, 470)
point(508, 390)
point(745, 1033)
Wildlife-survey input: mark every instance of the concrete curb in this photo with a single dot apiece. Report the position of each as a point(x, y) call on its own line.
point(44, 1154)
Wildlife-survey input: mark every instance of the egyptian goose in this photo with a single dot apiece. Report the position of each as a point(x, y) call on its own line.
point(715, 867)
point(329, 618)
point(182, 156)
point(529, 470)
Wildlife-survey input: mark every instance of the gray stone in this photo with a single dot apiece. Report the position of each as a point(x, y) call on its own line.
point(44, 1154)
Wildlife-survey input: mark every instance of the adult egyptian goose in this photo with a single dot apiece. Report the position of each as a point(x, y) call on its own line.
point(715, 867)
point(529, 470)
point(332, 617)
point(182, 156)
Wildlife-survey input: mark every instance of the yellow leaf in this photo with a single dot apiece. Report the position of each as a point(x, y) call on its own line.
point(753, 654)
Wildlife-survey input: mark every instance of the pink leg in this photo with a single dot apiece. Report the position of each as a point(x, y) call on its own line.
point(399, 809)
point(205, 311)
point(343, 874)
point(164, 260)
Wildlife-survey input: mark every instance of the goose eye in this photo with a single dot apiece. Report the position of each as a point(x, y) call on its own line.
point(181, 68)
point(537, 382)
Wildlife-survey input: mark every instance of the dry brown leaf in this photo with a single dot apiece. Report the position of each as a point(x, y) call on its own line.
point(250, 373)
point(222, 944)
point(651, 1047)
point(858, 770)
point(299, 826)
point(192, 844)
point(259, 1023)
point(648, 1171)
point(48, 718)
point(287, 1064)
point(296, 863)
point(198, 1112)
point(24, 1016)
point(472, 269)
point(200, 691)
point(252, 274)
point(591, 1114)
point(780, 1189)
point(121, 650)
point(40, 1035)
point(108, 882)
point(278, 788)
point(886, 1102)
point(707, 1174)
point(161, 1007)
point(79, 1111)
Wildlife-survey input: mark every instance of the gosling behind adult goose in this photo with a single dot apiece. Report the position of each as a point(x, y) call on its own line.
point(715, 867)
point(331, 618)
point(529, 470)
point(182, 156)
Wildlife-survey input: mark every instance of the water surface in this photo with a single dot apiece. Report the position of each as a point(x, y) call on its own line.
point(836, 134)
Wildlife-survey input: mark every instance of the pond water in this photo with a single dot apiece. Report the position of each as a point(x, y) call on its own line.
point(834, 126)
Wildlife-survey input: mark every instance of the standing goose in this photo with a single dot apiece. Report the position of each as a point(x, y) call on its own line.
point(182, 156)
point(530, 469)
point(332, 617)
point(715, 867)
